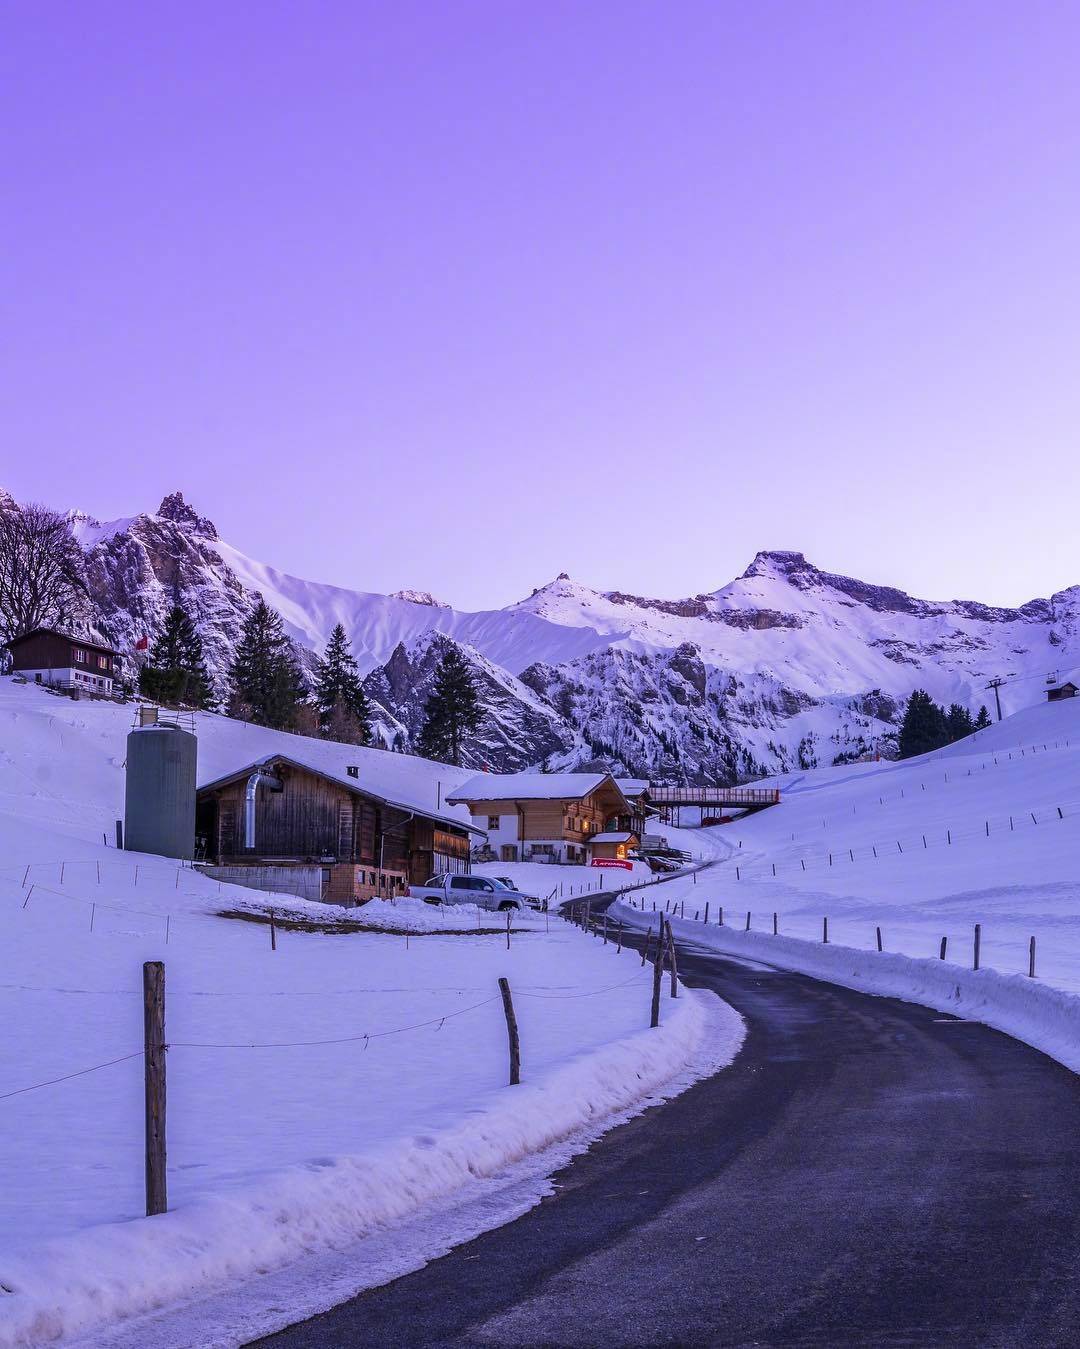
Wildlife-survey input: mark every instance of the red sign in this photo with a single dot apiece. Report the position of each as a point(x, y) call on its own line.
point(612, 862)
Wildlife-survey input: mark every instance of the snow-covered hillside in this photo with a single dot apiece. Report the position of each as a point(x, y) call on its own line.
point(318, 1094)
point(785, 666)
point(984, 832)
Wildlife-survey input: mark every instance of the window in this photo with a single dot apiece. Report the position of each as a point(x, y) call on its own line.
point(103, 662)
point(80, 656)
point(493, 822)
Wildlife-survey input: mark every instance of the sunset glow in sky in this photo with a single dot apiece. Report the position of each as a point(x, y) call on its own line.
point(459, 296)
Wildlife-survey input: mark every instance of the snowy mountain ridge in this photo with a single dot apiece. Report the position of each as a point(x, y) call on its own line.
point(787, 665)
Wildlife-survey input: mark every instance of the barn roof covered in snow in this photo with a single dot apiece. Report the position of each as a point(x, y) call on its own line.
point(399, 780)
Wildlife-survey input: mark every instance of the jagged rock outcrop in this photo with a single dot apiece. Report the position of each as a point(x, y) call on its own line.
point(519, 730)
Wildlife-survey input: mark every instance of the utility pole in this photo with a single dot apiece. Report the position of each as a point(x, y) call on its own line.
point(996, 684)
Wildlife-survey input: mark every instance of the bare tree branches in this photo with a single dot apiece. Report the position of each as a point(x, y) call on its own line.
point(41, 570)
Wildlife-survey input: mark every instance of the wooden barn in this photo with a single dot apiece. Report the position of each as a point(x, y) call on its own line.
point(323, 830)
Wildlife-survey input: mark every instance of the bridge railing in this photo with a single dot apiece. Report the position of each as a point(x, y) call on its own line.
point(714, 796)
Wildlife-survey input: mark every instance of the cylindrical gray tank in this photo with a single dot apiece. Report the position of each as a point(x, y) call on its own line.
point(159, 798)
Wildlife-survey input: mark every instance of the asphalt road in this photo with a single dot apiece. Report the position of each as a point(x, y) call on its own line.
point(866, 1173)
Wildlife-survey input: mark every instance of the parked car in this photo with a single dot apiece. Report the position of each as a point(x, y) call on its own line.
point(486, 892)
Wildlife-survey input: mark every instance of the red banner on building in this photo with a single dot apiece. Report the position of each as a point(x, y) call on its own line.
point(612, 862)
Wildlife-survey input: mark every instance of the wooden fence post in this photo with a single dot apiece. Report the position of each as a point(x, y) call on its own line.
point(657, 976)
point(673, 962)
point(775, 925)
point(978, 943)
point(879, 945)
point(825, 931)
point(618, 947)
point(157, 1199)
point(1031, 959)
point(511, 1032)
point(944, 944)
point(706, 911)
point(273, 932)
point(508, 930)
point(748, 920)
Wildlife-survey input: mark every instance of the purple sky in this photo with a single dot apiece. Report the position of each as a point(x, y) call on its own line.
point(458, 296)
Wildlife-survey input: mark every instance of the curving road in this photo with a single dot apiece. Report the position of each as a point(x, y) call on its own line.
point(867, 1173)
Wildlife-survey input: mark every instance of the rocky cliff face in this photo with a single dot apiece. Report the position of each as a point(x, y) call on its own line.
point(519, 728)
point(786, 665)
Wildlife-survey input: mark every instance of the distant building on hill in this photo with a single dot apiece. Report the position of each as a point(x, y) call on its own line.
point(1066, 687)
point(58, 660)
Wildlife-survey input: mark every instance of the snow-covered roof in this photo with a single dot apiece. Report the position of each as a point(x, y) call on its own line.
point(530, 786)
point(401, 780)
point(613, 836)
point(631, 787)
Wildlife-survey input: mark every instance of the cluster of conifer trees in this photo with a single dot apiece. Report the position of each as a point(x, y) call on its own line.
point(929, 726)
point(267, 686)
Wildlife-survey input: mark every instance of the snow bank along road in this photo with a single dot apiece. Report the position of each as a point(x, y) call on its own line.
point(867, 1172)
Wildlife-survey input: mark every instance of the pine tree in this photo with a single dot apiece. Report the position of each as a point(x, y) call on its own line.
point(925, 726)
point(452, 710)
point(958, 722)
point(267, 686)
point(175, 673)
point(982, 721)
point(344, 710)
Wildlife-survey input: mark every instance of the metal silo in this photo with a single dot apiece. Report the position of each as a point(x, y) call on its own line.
point(159, 797)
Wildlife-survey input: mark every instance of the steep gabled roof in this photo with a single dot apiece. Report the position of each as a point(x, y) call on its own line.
point(88, 642)
point(533, 787)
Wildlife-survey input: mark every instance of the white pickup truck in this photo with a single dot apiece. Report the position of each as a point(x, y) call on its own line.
point(486, 892)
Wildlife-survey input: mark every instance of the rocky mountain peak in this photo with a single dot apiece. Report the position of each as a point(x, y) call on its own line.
point(175, 508)
point(420, 597)
point(778, 562)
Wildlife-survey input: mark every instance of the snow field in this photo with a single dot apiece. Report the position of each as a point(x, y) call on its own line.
point(316, 1093)
point(1014, 882)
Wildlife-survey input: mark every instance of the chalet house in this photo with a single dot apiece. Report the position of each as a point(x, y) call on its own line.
point(543, 816)
point(331, 822)
point(48, 657)
point(1068, 686)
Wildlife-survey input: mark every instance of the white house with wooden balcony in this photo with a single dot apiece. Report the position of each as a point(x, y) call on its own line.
point(544, 817)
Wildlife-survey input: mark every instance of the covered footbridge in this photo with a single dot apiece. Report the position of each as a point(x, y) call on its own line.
point(668, 801)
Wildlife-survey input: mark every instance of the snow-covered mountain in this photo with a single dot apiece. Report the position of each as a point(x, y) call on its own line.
point(786, 665)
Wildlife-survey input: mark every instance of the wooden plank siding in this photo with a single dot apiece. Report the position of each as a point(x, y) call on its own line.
point(572, 819)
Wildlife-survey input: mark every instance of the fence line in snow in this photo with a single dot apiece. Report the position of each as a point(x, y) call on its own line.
point(678, 909)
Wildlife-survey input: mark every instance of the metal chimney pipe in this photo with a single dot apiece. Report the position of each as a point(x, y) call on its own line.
point(253, 782)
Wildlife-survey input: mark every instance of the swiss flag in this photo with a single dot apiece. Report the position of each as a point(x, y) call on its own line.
point(142, 644)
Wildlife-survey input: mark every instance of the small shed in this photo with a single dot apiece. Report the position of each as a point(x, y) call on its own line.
point(613, 845)
point(1068, 686)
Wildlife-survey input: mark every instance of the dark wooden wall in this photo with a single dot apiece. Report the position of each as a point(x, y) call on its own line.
point(312, 817)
